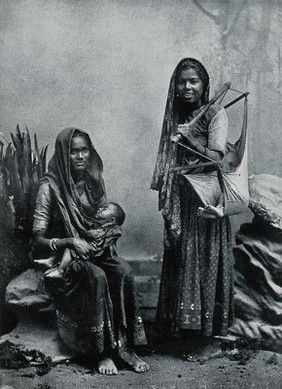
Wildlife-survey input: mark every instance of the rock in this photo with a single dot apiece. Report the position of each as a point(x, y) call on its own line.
point(266, 198)
point(258, 282)
point(27, 290)
point(6, 387)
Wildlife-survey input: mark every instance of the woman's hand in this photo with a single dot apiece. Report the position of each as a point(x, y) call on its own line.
point(81, 247)
point(186, 132)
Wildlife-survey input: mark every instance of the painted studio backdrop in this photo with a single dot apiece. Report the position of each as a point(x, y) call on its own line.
point(104, 66)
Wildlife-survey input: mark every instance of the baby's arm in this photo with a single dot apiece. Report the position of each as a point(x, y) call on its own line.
point(109, 237)
point(99, 232)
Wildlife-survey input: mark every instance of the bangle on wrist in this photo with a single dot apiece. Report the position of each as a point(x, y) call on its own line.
point(53, 246)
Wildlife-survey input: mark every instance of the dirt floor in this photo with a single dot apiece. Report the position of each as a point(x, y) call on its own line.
point(232, 365)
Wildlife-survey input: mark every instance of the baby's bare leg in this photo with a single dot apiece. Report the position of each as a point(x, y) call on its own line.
point(58, 271)
point(44, 264)
point(210, 211)
point(66, 259)
point(218, 211)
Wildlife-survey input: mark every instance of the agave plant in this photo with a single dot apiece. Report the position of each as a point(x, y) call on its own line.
point(21, 169)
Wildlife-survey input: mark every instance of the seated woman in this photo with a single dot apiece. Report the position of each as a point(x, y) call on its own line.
point(97, 311)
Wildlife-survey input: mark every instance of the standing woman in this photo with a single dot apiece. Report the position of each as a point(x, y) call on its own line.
point(96, 304)
point(196, 291)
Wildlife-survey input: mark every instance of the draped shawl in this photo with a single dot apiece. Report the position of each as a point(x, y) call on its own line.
point(76, 221)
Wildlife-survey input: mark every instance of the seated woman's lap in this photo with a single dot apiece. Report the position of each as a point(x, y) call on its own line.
point(119, 278)
point(115, 267)
point(92, 281)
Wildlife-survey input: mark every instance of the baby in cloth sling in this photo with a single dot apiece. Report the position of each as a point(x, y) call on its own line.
point(109, 216)
point(229, 162)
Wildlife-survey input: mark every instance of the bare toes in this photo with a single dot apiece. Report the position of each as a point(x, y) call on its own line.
point(106, 366)
point(141, 367)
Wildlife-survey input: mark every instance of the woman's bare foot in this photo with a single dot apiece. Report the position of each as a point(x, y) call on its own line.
point(206, 349)
point(140, 366)
point(107, 366)
point(132, 360)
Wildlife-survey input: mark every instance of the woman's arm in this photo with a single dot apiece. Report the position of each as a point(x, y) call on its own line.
point(42, 218)
point(215, 155)
point(185, 131)
point(80, 246)
point(40, 242)
point(217, 135)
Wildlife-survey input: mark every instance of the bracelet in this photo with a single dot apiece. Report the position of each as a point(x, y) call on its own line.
point(52, 245)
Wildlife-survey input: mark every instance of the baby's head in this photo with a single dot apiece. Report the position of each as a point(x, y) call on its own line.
point(110, 212)
point(231, 160)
